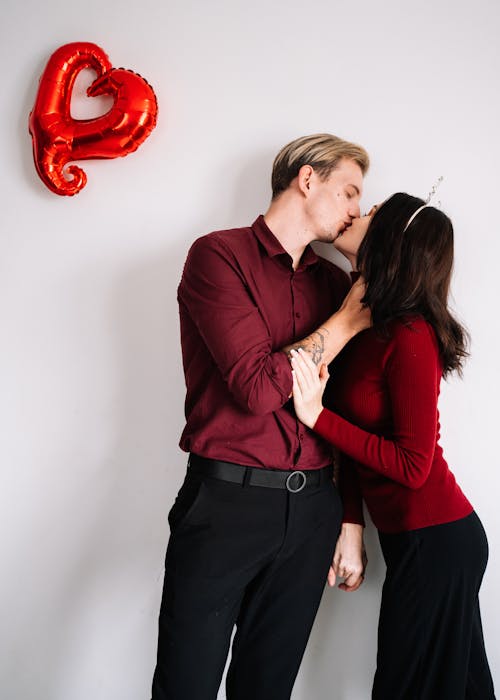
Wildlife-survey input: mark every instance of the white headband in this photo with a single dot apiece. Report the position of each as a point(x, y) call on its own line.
point(414, 215)
point(429, 197)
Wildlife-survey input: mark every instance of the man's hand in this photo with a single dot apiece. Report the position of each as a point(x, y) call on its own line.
point(325, 343)
point(353, 314)
point(349, 560)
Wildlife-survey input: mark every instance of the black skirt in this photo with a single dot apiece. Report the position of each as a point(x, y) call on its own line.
point(430, 638)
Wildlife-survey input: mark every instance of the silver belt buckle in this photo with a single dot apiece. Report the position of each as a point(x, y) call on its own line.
point(302, 484)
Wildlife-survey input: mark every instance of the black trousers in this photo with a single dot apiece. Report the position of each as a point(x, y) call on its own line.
point(248, 556)
point(430, 641)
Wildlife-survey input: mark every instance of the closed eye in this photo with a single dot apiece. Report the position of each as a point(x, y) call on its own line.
point(352, 191)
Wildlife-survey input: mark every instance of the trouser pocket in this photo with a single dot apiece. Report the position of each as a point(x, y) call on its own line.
point(187, 501)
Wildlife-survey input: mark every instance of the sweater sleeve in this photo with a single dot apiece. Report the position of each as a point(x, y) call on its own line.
point(412, 372)
point(350, 492)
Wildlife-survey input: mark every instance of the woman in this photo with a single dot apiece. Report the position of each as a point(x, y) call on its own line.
point(382, 415)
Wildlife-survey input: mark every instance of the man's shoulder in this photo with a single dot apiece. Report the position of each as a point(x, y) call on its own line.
point(219, 253)
point(232, 239)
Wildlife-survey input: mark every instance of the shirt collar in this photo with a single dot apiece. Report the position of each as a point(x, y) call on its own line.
point(273, 247)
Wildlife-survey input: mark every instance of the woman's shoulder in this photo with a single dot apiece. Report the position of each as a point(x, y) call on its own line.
point(411, 323)
point(414, 334)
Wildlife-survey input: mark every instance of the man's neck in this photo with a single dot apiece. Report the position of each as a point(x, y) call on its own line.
point(288, 223)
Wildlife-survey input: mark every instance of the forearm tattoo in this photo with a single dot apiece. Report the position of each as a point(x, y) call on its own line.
point(314, 344)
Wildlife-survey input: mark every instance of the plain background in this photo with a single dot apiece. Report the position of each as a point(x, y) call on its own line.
point(92, 387)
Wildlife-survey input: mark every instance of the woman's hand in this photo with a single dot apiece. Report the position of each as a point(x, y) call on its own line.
point(349, 560)
point(308, 387)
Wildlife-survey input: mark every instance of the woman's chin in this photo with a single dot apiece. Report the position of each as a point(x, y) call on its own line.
point(338, 245)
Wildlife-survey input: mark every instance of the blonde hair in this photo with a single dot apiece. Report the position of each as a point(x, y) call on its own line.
point(323, 152)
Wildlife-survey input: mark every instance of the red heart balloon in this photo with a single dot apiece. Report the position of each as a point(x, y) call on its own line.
point(58, 138)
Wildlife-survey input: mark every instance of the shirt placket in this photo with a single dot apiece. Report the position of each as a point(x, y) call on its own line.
point(297, 303)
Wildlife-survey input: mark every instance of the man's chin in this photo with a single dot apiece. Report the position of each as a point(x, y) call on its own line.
point(337, 235)
point(329, 236)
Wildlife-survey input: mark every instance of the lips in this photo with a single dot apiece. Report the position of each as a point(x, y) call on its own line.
point(347, 225)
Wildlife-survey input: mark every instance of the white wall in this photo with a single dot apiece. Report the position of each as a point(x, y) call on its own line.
point(92, 388)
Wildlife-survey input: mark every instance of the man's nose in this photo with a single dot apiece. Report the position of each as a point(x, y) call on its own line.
point(354, 211)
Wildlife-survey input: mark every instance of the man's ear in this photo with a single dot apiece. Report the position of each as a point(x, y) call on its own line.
point(304, 179)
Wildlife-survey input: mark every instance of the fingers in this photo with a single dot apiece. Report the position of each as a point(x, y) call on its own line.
point(349, 559)
point(352, 574)
point(336, 560)
point(296, 390)
point(352, 583)
point(307, 380)
point(307, 371)
point(299, 370)
point(356, 293)
point(306, 361)
point(323, 376)
point(308, 389)
point(310, 373)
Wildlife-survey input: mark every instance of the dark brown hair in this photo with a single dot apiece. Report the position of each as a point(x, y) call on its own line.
point(408, 272)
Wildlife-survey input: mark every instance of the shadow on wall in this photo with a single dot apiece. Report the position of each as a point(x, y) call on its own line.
point(341, 654)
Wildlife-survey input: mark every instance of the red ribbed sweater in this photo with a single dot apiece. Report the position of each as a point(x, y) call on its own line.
point(384, 419)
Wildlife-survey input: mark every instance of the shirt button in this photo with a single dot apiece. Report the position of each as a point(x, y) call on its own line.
point(297, 315)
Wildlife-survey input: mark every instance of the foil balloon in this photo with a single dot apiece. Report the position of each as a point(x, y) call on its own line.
point(59, 139)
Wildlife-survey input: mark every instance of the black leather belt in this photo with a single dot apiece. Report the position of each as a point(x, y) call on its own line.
point(293, 481)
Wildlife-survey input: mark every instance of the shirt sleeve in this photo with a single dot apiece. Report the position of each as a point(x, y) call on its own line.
point(214, 294)
point(412, 372)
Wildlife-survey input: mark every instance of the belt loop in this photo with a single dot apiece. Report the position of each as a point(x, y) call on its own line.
point(246, 476)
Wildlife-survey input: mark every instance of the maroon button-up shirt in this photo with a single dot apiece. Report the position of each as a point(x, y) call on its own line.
point(240, 302)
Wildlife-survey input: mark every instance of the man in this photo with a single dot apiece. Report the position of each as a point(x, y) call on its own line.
point(254, 526)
